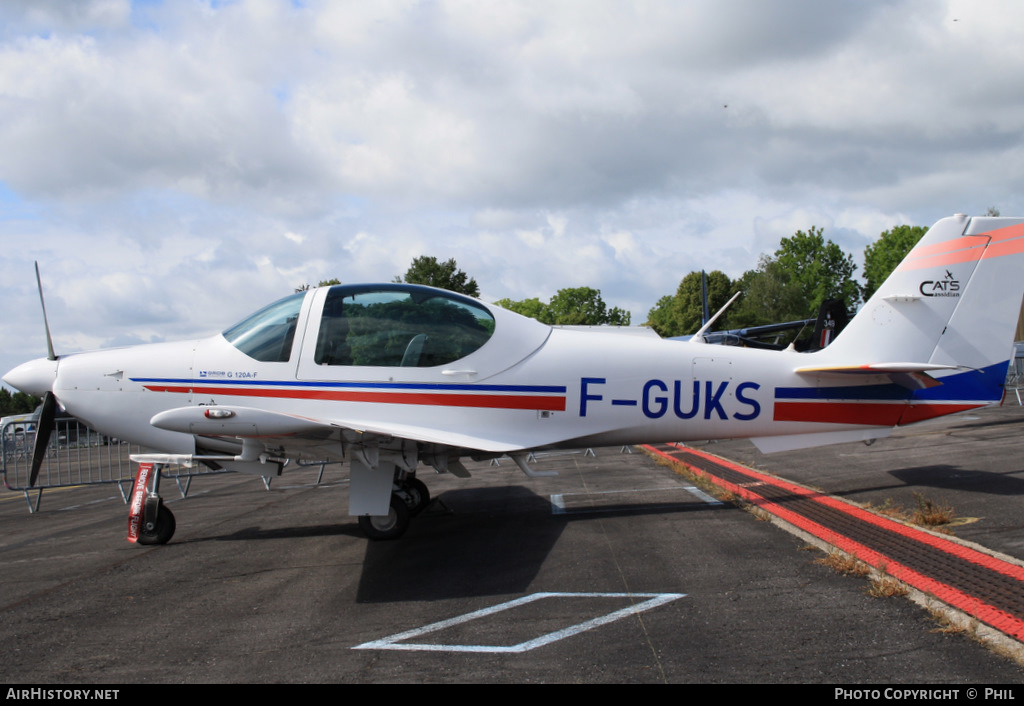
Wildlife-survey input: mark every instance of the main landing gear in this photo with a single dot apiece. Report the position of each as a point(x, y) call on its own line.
point(408, 498)
point(151, 522)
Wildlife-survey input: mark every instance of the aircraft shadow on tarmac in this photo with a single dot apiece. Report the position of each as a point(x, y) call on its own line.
point(941, 477)
point(947, 477)
point(466, 543)
point(477, 542)
point(976, 424)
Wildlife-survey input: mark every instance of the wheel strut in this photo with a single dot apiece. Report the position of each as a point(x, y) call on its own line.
point(149, 520)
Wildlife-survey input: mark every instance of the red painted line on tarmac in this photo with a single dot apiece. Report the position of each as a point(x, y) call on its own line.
point(1009, 624)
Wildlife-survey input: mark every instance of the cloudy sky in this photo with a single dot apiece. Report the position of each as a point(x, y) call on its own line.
point(172, 166)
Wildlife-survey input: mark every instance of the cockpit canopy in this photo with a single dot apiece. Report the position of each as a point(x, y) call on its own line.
point(394, 325)
point(391, 325)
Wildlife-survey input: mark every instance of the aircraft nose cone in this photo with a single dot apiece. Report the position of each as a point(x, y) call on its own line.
point(35, 377)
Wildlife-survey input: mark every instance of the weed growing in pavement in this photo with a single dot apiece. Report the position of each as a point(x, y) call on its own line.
point(886, 587)
point(931, 514)
point(844, 563)
point(928, 513)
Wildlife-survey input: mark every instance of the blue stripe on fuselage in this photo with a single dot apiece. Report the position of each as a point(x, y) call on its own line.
point(970, 385)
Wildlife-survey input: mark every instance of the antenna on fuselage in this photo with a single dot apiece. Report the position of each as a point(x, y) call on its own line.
point(699, 336)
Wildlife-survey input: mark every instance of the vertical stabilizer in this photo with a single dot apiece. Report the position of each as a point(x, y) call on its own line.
point(953, 301)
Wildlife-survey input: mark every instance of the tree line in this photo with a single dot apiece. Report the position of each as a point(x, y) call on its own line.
point(581, 306)
point(17, 403)
point(789, 284)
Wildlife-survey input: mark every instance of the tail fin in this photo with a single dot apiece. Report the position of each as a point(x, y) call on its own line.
point(832, 319)
point(950, 309)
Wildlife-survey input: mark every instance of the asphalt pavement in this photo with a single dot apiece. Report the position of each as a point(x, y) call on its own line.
point(616, 570)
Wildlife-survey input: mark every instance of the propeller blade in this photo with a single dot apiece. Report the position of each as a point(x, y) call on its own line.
point(44, 427)
point(46, 323)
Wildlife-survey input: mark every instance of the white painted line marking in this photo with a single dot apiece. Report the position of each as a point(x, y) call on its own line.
point(558, 500)
point(558, 504)
point(91, 502)
point(394, 641)
point(703, 496)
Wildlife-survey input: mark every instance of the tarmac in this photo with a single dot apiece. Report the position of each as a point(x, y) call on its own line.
point(618, 570)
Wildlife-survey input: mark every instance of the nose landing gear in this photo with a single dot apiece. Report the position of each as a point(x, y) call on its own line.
point(149, 521)
point(158, 530)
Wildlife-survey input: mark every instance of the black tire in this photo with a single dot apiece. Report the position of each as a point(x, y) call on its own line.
point(418, 495)
point(390, 526)
point(163, 530)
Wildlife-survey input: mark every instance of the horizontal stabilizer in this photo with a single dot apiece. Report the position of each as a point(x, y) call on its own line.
point(878, 368)
point(912, 376)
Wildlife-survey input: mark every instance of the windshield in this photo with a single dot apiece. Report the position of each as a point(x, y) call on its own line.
point(268, 334)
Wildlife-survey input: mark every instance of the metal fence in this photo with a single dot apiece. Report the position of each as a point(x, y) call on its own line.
point(76, 456)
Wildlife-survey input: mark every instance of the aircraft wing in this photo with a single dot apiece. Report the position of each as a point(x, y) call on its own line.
point(298, 433)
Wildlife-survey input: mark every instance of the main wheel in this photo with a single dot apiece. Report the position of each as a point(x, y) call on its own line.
point(417, 495)
point(161, 531)
point(390, 526)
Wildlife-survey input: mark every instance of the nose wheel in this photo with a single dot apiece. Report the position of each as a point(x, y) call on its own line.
point(149, 520)
point(158, 530)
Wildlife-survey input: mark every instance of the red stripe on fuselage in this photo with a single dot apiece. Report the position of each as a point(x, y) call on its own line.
point(867, 413)
point(553, 404)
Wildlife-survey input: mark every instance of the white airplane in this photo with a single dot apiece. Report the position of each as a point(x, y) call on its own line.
point(392, 376)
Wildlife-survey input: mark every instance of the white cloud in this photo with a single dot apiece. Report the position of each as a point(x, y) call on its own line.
point(175, 165)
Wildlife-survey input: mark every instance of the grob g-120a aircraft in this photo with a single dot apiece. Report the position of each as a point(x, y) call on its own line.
point(390, 377)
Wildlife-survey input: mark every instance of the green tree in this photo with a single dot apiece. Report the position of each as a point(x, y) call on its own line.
point(883, 255)
point(683, 313)
point(767, 297)
point(819, 269)
point(579, 306)
point(321, 283)
point(583, 306)
point(18, 403)
point(662, 318)
point(792, 283)
point(533, 308)
point(445, 275)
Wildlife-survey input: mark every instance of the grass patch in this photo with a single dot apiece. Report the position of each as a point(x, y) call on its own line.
point(926, 513)
point(932, 514)
point(882, 585)
point(948, 625)
point(844, 563)
point(886, 587)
